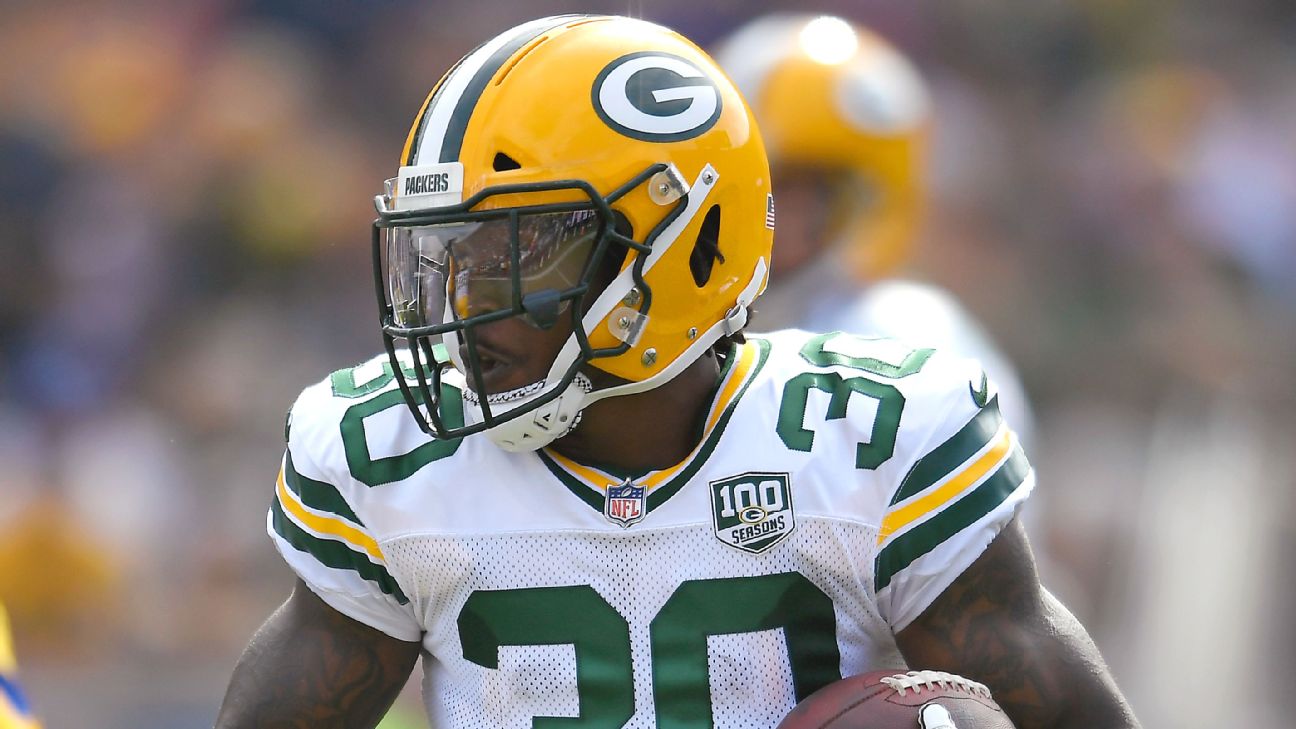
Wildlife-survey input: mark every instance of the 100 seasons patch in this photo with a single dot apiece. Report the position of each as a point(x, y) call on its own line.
point(752, 511)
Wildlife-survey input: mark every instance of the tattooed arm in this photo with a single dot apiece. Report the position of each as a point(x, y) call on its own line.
point(311, 666)
point(996, 624)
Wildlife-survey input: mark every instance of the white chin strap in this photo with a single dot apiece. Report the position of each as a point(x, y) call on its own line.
point(538, 428)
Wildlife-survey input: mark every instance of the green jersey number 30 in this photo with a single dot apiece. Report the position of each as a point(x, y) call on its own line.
point(890, 402)
point(578, 615)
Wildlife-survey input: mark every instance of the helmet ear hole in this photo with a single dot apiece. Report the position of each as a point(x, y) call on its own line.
point(504, 163)
point(621, 224)
point(707, 248)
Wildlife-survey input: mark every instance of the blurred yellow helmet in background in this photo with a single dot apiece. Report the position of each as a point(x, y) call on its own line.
point(832, 96)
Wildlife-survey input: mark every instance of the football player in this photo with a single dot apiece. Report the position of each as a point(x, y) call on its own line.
point(845, 118)
point(580, 493)
point(15, 712)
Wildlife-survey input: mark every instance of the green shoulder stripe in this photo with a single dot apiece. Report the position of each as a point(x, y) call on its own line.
point(317, 494)
point(951, 454)
point(334, 554)
point(956, 517)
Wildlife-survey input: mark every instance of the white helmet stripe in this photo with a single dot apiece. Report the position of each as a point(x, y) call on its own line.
point(444, 121)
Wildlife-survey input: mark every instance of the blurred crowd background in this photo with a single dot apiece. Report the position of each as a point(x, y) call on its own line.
point(185, 198)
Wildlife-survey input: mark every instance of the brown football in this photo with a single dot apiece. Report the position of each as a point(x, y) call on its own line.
point(898, 699)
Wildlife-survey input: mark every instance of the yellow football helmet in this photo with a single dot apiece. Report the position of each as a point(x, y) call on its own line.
point(558, 147)
point(833, 96)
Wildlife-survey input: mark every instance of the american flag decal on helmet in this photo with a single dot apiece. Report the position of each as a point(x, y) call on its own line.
point(769, 210)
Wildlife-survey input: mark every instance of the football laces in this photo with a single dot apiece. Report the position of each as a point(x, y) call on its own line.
point(917, 680)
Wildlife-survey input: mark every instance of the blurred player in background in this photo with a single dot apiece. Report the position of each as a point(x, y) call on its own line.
point(845, 118)
point(14, 710)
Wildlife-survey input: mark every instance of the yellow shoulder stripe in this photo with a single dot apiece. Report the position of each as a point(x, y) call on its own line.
point(326, 525)
point(901, 517)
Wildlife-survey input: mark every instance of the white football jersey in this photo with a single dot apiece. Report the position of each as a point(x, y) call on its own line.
point(839, 486)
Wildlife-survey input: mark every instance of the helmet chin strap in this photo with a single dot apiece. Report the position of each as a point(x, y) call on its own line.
point(538, 428)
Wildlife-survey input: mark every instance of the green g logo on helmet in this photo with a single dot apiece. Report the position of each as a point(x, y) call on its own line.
point(656, 97)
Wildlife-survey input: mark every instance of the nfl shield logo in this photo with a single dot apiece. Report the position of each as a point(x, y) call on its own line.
point(625, 503)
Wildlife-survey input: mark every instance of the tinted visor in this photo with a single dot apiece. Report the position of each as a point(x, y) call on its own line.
point(527, 264)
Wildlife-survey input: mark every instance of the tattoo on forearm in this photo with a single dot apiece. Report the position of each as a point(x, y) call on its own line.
point(326, 672)
point(958, 623)
point(996, 625)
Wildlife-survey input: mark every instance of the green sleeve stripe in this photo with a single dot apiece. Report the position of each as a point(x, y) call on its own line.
point(334, 554)
point(317, 494)
point(925, 537)
point(951, 454)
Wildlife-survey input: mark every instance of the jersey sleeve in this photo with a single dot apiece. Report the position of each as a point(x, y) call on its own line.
point(964, 478)
point(320, 534)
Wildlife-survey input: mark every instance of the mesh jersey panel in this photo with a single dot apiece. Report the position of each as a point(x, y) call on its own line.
point(636, 572)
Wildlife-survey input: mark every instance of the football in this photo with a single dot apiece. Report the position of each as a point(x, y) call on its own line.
point(896, 699)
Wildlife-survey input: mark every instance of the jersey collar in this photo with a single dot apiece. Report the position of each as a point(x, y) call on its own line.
point(590, 483)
